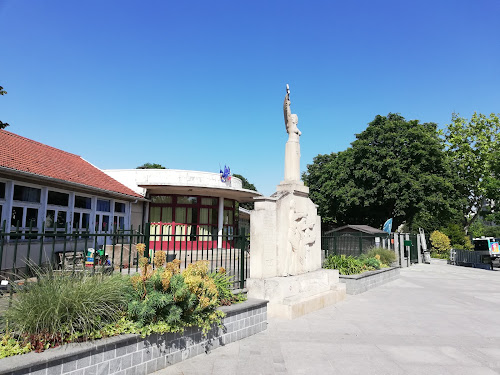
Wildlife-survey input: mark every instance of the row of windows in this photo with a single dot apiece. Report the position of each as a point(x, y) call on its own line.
point(27, 204)
point(56, 198)
point(189, 210)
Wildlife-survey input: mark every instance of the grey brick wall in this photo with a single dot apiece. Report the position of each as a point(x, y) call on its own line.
point(134, 355)
point(356, 284)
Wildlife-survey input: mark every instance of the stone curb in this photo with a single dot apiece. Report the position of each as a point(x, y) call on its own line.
point(356, 284)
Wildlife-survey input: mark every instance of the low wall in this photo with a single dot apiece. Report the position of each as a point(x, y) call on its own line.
point(360, 283)
point(134, 355)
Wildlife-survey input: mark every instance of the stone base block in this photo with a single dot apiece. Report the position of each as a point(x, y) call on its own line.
point(294, 296)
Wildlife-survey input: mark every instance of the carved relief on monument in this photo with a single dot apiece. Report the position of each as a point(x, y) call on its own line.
point(301, 237)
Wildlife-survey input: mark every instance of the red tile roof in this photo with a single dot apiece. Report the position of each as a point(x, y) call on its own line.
point(25, 155)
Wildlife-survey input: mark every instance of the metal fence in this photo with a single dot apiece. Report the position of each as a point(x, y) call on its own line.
point(63, 250)
point(477, 259)
point(353, 243)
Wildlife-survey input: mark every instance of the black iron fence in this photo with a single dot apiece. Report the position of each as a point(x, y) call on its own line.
point(24, 249)
point(353, 243)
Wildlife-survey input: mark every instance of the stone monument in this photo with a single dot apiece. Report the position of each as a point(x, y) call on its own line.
point(285, 230)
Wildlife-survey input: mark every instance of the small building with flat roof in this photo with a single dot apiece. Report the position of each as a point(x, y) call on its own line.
point(187, 210)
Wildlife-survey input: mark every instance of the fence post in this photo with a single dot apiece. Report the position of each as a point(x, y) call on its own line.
point(360, 243)
point(402, 249)
point(419, 246)
point(147, 229)
point(242, 258)
point(395, 247)
point(408, 260)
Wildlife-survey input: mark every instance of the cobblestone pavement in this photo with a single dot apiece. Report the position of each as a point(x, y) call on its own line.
point(435, 319)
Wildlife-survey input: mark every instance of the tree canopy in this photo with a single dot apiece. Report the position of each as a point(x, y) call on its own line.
point(474, 149)
point(151, 166)
point(395, 168)
point(3, 124)
point(246, 185)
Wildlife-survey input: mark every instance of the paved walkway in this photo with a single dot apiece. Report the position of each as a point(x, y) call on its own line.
point(435, 319)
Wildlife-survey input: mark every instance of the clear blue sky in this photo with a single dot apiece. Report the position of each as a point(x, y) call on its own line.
point(195, 84)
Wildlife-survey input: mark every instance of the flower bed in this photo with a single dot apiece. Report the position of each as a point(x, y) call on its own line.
point(132, 354)
point(72, 307)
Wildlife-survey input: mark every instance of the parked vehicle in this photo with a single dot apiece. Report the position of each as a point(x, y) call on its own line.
point(489, 244)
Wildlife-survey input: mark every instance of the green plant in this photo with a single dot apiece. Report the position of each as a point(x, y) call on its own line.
point(165, 299)
point(372, 263)
point(48, 312)
point(346, 265)
point(440, 243)
point(9, 346)
point(223, 283)
point(387, 256)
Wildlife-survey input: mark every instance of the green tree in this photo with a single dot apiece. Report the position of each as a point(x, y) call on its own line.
point(474, 148)
point(151, 166)
point(3, 124)
point(395, 168)
point(246, 185)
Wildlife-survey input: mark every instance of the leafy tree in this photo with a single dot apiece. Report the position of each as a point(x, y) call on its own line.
point(440, 244)
point(3, 124)
point(246, 185)
point(457, 236)
point(395, 168)
point(474, 148)
point(151, 166)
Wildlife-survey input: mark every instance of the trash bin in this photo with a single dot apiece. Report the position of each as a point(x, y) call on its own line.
point(427, 257)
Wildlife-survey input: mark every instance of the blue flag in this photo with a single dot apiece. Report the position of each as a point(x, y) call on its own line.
point(388, 226)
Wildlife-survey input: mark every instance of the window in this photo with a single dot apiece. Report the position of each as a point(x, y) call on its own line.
point(83, 202)
point(24, 218)
point(103, 205)
point(165, 199)
point(81, 220)
point(26, 194)
point(228, 219)
point(55, 219)
point(119, 218)
point(2, 190)
point(187, 200)
point(82, 212)
point(58, 199)
point(25, 211)
point(119, 207)
point(189, 218)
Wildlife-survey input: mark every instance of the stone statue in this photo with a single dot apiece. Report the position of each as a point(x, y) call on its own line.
point(291, 120)
point(292, 148)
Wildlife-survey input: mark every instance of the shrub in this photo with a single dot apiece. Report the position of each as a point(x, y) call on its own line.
point(387, 256)
point(165, 299)
point(223, 283)
point(372, 263)
point(47, 313)
point(440, 243)
point(346, 265)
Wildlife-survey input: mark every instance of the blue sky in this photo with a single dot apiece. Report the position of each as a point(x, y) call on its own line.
point(195, 84)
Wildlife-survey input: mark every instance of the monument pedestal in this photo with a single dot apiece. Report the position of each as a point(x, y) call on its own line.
point(285, 261)
point(293, 296)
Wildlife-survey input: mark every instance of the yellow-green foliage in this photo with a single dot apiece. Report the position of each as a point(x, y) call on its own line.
point(201, 284)
point(440, 242)
point(10, 346)
point(468, 244)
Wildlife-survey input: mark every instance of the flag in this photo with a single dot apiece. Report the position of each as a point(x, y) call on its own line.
point(388, 226)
